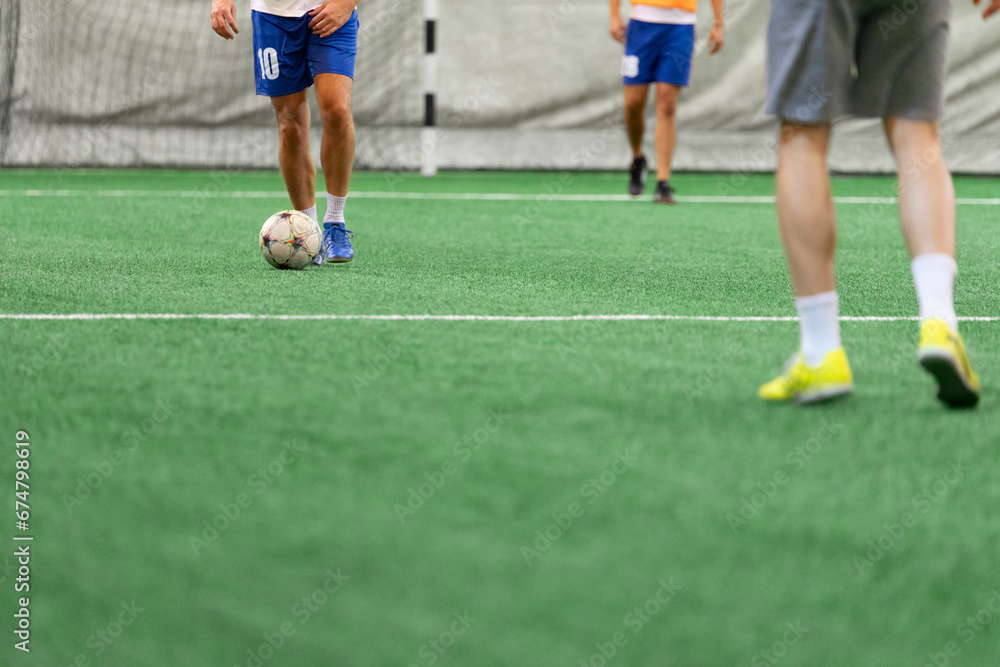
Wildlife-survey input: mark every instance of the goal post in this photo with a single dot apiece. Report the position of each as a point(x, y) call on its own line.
point(428, 134)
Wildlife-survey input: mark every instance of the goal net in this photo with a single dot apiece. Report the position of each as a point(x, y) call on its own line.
point(521, 84)
point(129, 83)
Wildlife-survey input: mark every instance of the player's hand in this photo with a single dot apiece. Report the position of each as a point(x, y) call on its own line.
point(715, 38)
point(224, 18)
point(617, 29)
point(330, 16)
point(991, 9)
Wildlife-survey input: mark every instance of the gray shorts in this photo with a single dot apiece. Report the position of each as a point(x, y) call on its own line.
point(874, 58)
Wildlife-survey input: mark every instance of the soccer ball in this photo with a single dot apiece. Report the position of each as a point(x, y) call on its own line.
point(290, 240)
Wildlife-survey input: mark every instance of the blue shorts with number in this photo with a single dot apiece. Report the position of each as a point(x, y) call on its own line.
point(287, 55)
point(657, 53)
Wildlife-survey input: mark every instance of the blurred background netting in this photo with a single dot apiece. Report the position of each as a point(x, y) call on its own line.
point(522, 84)
point(142, 82)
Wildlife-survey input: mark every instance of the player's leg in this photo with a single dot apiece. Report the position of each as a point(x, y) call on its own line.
point(809, 235)
point(333, 93)
point(666, 138)
point(635, 121)
point(808, 80)
point(926, 195)
point(927, 215)
point(901, 77)
point(675, 46)
point(635, 126)
point(638, 65)
point(805, 207)
point(282, 74)
point(297, 168)
point(331, 61)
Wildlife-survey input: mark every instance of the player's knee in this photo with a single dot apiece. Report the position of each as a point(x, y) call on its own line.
point(336, 111)
point(666, 106)
point(635, 106)
point(293, 123)
point(910, 139)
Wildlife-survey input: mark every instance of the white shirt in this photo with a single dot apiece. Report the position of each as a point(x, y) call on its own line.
point(650, 14)
point(293, 8)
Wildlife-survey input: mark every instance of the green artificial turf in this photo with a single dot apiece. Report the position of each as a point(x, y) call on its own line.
point(479, 493)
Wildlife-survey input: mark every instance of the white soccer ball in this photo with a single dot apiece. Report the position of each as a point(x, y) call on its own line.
point(290, 240)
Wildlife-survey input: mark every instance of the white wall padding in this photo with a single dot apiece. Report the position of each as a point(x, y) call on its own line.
point(521, 84)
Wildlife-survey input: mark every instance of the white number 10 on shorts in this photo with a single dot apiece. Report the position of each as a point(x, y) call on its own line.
point(268, 63)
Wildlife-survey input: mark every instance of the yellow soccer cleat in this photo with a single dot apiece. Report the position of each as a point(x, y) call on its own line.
point(808, 384)
point(942, 353)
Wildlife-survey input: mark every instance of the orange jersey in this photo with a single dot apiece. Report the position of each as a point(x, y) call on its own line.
point(686, 5)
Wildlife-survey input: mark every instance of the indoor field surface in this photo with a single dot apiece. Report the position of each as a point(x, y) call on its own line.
point(521, 428)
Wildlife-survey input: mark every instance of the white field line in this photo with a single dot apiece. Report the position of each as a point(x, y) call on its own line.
point(452, 318)
point(450, 196)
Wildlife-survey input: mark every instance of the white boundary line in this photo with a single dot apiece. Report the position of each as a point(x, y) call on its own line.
point(451, 196)
point(452, 318)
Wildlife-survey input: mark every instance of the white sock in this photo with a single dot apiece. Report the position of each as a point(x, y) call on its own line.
point(334, 209)
point(311, 212)
point(819, 327)
point(934, 277)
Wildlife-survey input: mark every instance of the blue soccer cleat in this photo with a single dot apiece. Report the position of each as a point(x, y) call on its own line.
point(337, 243)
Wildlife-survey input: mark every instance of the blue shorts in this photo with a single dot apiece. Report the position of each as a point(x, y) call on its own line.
point(287, 55)
point(658, 53)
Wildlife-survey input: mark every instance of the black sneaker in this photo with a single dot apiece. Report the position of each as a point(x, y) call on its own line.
point(664, 193)
point(637, 176)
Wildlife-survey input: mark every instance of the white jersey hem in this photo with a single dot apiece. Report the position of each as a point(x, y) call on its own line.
point(287, 8)
point(650, 14)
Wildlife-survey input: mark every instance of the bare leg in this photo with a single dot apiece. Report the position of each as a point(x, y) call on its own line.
point(809, 233)
point(805, 207)
point(927, 214)
point(666, 128)
point(926, 194)
point(333, 92)
point(635, 123)
point(292, 112)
